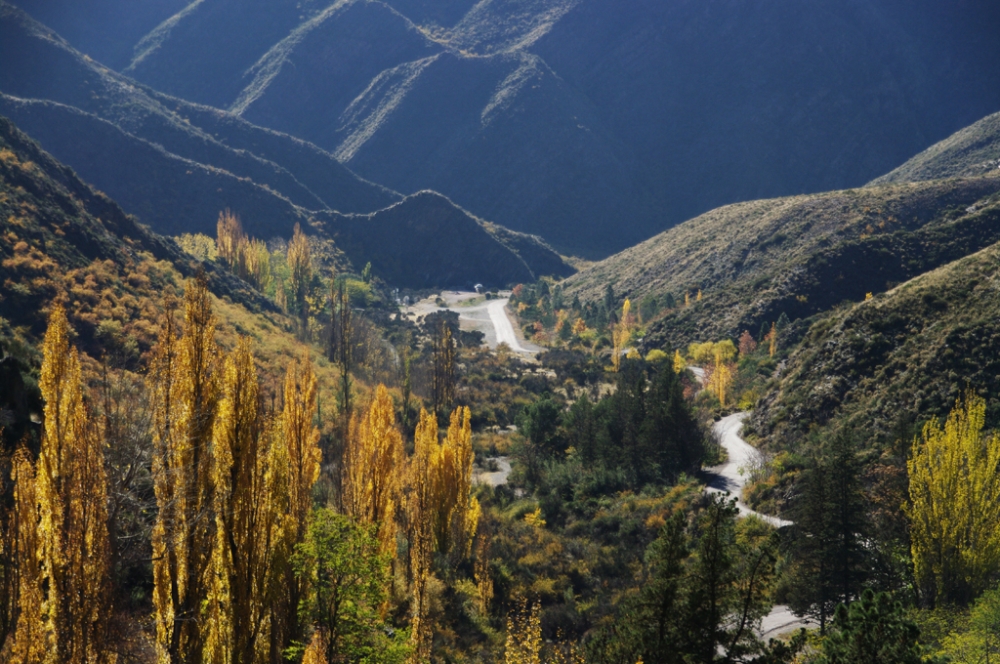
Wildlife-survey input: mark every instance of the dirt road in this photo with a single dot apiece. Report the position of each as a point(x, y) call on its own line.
point(477, 313)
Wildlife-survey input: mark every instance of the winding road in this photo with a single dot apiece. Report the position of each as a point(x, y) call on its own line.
point(730, 477)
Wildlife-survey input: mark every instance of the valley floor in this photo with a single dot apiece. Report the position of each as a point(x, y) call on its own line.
point(475, 313)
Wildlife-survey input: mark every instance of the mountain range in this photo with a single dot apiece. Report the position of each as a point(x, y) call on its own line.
point(176, 165)
point(591, 123)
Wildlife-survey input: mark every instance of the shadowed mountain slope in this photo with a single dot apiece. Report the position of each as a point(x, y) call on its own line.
point(106, 30)
point(304, 83)
point(201, 53)
point(171, 194)
point(724, 101)
point(799, 256)
point(972, 151)
point(418, 240)
point(40, 65)
point(527, 146)
point(665, 109)
point(593, 123)
point(903, 356)
point(496, 26)
point(433, 13)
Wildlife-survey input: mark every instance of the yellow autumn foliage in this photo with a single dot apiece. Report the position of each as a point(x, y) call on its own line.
point(955, 502)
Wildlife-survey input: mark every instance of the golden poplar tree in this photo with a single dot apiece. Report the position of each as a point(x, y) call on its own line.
point(29, 643)
point(441, 514)
point(373, 468)
point(71, 492)
point(772, 340)
point(249, 475)
point(523, 644)
point(315, 652)
point(955, 503)
point(420, 529)
point(299, 451)
point(229, 238)
point(481, 574)
point(300, 262)
point(722, 371)
point(621, 334)
point(679, 364)
point(457, 512)
point(184, 376)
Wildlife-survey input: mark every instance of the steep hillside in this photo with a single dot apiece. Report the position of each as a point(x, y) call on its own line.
point(176, 165)
point(971, 151)
point(61, 239)
point(172, 194)
point(433, 13)
point(304, 82)
point(40, 65)
point(503, 136)
point(798, 256)
point(201, 53)
point(723, 101)
point(905, 355)
point(590, 122)
point(666, 109)
point(418, 242)
point(105, 30)
point(495, 26)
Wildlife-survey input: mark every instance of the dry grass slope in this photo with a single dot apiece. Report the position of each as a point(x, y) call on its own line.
point(905, 355)
point(800, 255)
point(972, 151)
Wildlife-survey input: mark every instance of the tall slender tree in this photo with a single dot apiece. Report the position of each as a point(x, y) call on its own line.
point(420, 530)
point(373, 469)
point(300, 262)
point(71, 491)
point(955, 504)
point(341, 348)
point(441, 513)
point(249, 485)
point(621, 334)
point(300, 442)
point(443, 377)
point(184, 375)
point(830, 556)
point(29, 642)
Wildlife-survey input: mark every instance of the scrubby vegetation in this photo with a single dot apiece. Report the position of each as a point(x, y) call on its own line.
point(240, 449)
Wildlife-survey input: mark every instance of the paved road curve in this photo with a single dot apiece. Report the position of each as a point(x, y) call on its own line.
point(730, 477)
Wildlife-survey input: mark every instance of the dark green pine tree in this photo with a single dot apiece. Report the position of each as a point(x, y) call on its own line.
point(831, 526)
point(672, 440)
point(874, 630)
point(711, 581)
